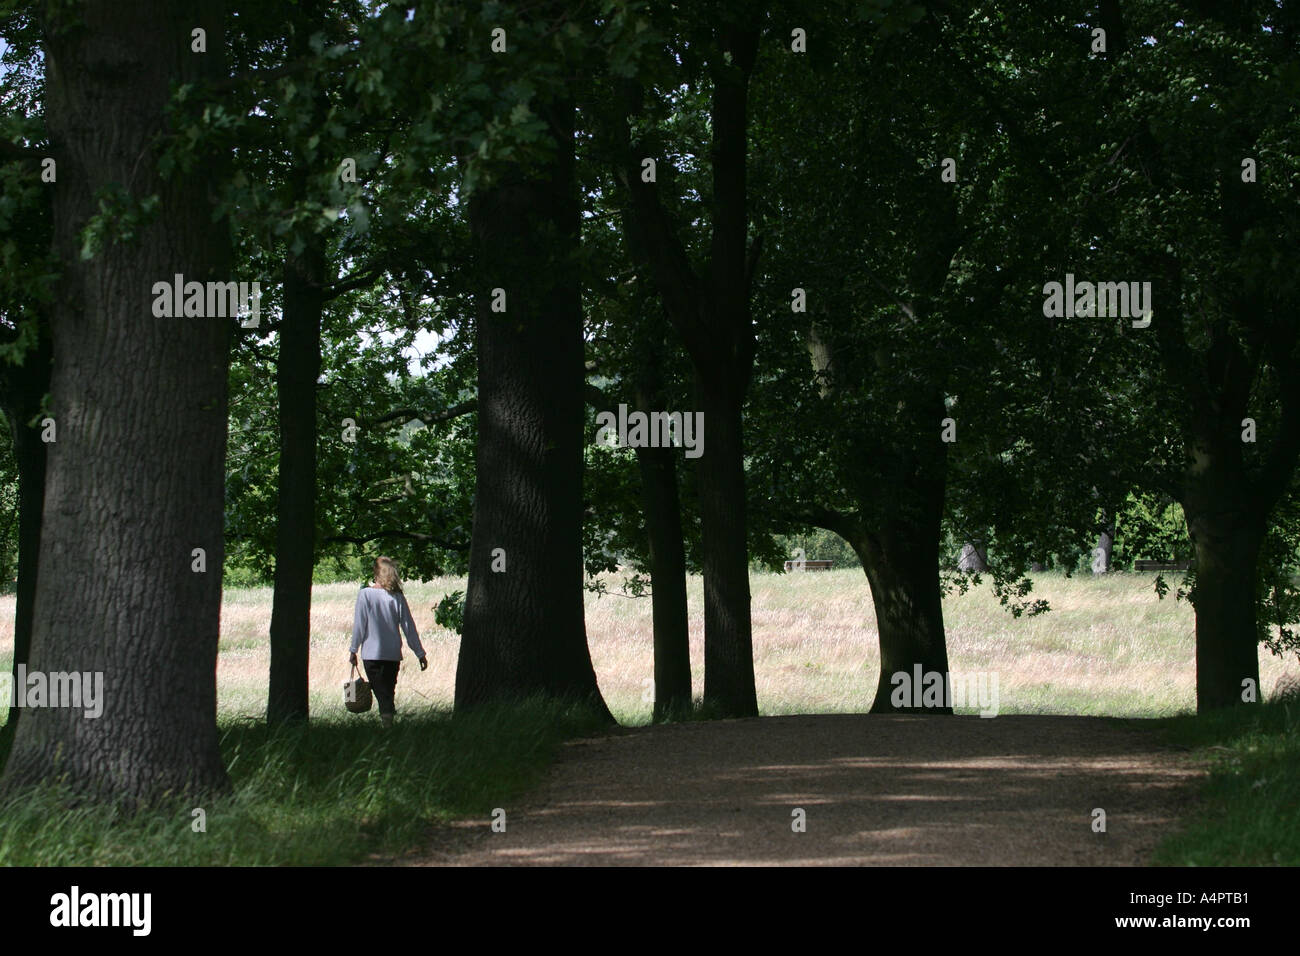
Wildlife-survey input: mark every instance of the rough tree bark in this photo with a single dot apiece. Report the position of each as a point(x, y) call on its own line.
point(135, 481)
point(900, 556)
point(524, 631)
point(901, 563)
point(728, 641)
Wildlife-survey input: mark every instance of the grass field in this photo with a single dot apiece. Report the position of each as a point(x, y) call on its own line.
point(342, 792)
point(1107, 647)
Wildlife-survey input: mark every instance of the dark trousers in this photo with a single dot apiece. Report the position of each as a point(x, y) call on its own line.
point(383, 681)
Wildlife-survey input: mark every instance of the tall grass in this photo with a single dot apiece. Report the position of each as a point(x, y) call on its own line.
point(1108, 647)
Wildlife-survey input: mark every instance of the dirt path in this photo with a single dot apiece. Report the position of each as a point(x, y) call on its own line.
point(877, 790)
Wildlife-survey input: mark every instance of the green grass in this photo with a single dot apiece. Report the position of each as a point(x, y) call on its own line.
point(339, 791)
point(1250, 814)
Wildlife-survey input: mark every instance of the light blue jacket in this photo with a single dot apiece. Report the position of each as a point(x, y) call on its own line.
point(375, 626)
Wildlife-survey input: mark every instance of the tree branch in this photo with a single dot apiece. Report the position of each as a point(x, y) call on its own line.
point(357, 280)
point(405, 415)
point(397, 533)
point(653, 241)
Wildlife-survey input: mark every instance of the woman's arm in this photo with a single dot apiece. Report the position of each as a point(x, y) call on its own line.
point(358, 626)
point(408, 625)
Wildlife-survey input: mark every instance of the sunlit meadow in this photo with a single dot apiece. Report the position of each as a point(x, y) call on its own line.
point(1107, 647)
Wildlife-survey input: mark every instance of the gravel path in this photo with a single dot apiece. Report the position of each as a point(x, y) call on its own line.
point(876, 790)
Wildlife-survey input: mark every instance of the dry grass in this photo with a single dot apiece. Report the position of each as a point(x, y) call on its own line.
point(1108, 647)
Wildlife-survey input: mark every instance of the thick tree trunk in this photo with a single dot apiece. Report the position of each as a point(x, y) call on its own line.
point(1227, 532)
point(295, 550)
point(24, 386)
point(901, 562)
point(135, 481)
point(896, 535)
point(667, 553)
point(1227, 640)
point(524, 631)
point(904, 569)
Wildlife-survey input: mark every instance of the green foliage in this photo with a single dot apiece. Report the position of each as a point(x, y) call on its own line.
point(118, 219)
point(450, 612)
point(818, 544)
point(1278, 587)
point(917, 292)
point(1150, 527)
point(28, 272)
point(633, 586)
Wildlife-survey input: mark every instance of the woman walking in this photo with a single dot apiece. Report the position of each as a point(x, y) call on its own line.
point(381, 611)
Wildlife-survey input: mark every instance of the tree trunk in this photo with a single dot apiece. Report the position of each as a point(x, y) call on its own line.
point(728, 645)
point(1227, 512)
point(524, 631)
point(667, 553)
point(723, 366)
point(135, 481)
point(1227, 638)
point(1227, 532)
point(25, 385)
point(901, 562)
point(711, 311)
point(668, 582)
point(295, 550)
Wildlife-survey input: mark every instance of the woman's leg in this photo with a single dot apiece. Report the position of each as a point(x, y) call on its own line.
point(383, 681)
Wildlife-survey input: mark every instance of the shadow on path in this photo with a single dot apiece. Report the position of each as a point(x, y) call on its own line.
point(876, 790)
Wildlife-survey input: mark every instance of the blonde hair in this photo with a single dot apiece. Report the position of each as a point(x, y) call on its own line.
point(386, 575)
